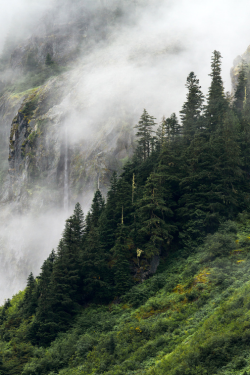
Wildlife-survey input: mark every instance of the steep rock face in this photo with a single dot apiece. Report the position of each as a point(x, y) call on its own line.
point(40, 138)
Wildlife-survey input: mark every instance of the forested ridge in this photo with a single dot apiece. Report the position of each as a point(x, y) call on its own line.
point(154, 280)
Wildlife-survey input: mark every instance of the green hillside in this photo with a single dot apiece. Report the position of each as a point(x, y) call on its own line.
point(155, 279)
point(192, 317)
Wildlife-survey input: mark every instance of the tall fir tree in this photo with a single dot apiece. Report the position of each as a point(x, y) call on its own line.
point(29, 303)
point(108, 220)
point(145, 134)
point(191, 113)
point(228, 176)
point(94, 261)
point(156, 228)
point(173, 129)
point(95, 211)
point(216, 100)
point(122, 272)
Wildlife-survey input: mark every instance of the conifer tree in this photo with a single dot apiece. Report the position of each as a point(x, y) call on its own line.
point(60, 285)
point(173, 129)
point(171, 160)
point(216, 101)
point(95, 211)
point(30, 297)
point(122, 272)
point(38, 334)
point(209, 191)
point(195, 181)
point(73, 237)
point(156, 228)
point(4, 309)
point(192, 109)
point(61, 303)
point(94, 262)
point(145, 133)
point(161, 135)
point(108, 220)
point(227, 167)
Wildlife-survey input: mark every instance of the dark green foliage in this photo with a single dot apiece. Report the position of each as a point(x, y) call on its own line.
point(192, 108)
point(3, 313)
point(95, 212)
point(95, 268)
point(108, 219)
point(154, 216)
point(30, 297)
point(121, 269)
point(172, 129)
point(145, 132)
point(216, 101)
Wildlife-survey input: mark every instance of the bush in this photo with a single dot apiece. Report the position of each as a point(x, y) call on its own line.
point(218, 245)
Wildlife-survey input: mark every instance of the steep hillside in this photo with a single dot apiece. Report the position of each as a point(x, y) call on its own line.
point(190, 318)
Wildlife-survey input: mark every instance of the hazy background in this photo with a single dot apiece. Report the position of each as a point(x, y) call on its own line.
point(143, 64)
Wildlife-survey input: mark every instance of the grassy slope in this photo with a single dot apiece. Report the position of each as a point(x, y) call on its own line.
point(191, 318)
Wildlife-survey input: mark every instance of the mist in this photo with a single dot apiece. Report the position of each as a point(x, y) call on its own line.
point(143, 63)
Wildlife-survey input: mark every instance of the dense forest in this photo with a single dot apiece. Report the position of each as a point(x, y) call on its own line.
point(153, 279)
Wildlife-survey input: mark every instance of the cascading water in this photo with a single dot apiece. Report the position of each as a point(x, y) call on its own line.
point(66, 174)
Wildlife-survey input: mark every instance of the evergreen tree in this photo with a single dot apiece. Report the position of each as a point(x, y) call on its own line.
point(94, 262)
point(195, 219)
point(56, 310)
point(210, 189)
point(122, 272)
point(29, 303)
point(192, 109)
point(156, 228)
point(95, 211)
point(145, 132)
point(228, 174)
point(108, 220)
point(216, 101)
point(60, 284)
point(161, 135)
point(173, 129)
point(38, 332)
point(4, 309)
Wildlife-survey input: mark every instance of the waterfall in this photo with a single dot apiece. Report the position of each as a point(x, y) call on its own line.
point(66, 174)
